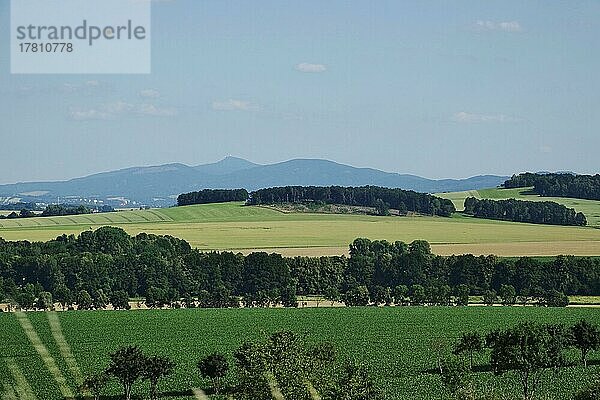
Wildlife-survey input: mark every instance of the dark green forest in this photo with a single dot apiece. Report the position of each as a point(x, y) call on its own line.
point(558, 185)
point(536, 212)
point(109, 266)
point(212, 196)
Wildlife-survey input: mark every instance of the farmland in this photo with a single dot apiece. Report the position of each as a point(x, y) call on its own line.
point(591, 208)
point(232, 226)
point(395, 343)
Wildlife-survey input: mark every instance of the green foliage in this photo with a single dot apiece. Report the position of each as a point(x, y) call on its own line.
point(95, 384)
point(286, 361)
point(382, 208)
point(120, 300)
point(527, 349)
point(454, 375)
point(212, 196)
point(155, 368)
point(537, 212)
point(127, 365)
point(357, 296)
point(366, 196)
point(469, 343)
point(559, 185)
point(585, 337)
point(354, 383)
point(215, 368)
point(508, 295)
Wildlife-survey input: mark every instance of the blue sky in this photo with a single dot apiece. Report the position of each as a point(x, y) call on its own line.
point(435, 88)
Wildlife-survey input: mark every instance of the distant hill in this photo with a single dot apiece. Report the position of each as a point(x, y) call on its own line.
point(160, 185)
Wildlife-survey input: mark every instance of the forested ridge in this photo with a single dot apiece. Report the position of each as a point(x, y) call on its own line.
point(536, 212)
point(558, 185)
point(366, 196)
point(107, 265)
point(380, 198)
point(212, 196)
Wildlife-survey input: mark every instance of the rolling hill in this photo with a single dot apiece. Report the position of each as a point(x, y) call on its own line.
point(159, 185)
point(232, 226)
point(590, 208)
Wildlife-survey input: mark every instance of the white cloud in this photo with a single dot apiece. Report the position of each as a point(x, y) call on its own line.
point(234, 105)
point(121, 109)
point(87, 115)
point(466, 117)
point(150, 93)
point(307, 67)
point(506, 26)
point(545, 149)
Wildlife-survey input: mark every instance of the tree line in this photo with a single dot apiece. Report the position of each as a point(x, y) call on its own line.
point(536, 212)
point(282, 366)
point(558, 185)
point(212, 196)
point(365, 196)
point(107, 266)
point(56, 210)
point(529, 350)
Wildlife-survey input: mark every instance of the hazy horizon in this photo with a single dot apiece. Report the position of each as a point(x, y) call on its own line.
point(435, 90)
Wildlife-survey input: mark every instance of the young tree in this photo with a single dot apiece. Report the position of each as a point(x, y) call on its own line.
point(215, 368)
point(332, 294)
point(417, 295)
point(127, 365)
point(94, 384)
point(156, 368)
point(469, 343)
point(526, 349)
point(490, 297)
point(357, 296)
point(44, 301)
point(84, 300)
point(382, 207)
point(454, 375)
point(120, 300)
point(400, 295)
point(62, 294)
point(462, 295)
point(508, 295)
point(355, 383)
point(585, 337)
point(100, 299)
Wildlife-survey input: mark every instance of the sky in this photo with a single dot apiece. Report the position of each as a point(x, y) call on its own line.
point(441, 89)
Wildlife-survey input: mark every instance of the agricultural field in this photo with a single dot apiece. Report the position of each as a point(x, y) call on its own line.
point(591, 208)
point(395, 342)
point(232, 226)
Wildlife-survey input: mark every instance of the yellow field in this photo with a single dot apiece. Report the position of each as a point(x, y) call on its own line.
point(232, 226)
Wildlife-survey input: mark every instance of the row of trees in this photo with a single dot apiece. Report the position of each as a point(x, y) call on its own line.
point(54, 210)
point(284, 365)
point(536, 212)
point(108, 266)
point(365, 196)
point(559, 185)
point(527, 349)
point(212, 196)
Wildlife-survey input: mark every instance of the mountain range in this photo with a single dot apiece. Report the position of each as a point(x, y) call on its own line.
point(160, 185)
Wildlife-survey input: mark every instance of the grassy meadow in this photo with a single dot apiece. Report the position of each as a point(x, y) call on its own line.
point(232, 226)
point(395, 342)
point(591, 208)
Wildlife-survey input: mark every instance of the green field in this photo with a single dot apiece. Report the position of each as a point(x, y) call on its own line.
point(590, 208)
point(232, 226)
point(395, 342)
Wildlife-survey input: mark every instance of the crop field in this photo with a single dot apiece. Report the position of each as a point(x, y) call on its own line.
point(394, 342)
point(232, 226)
point(591, 208)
